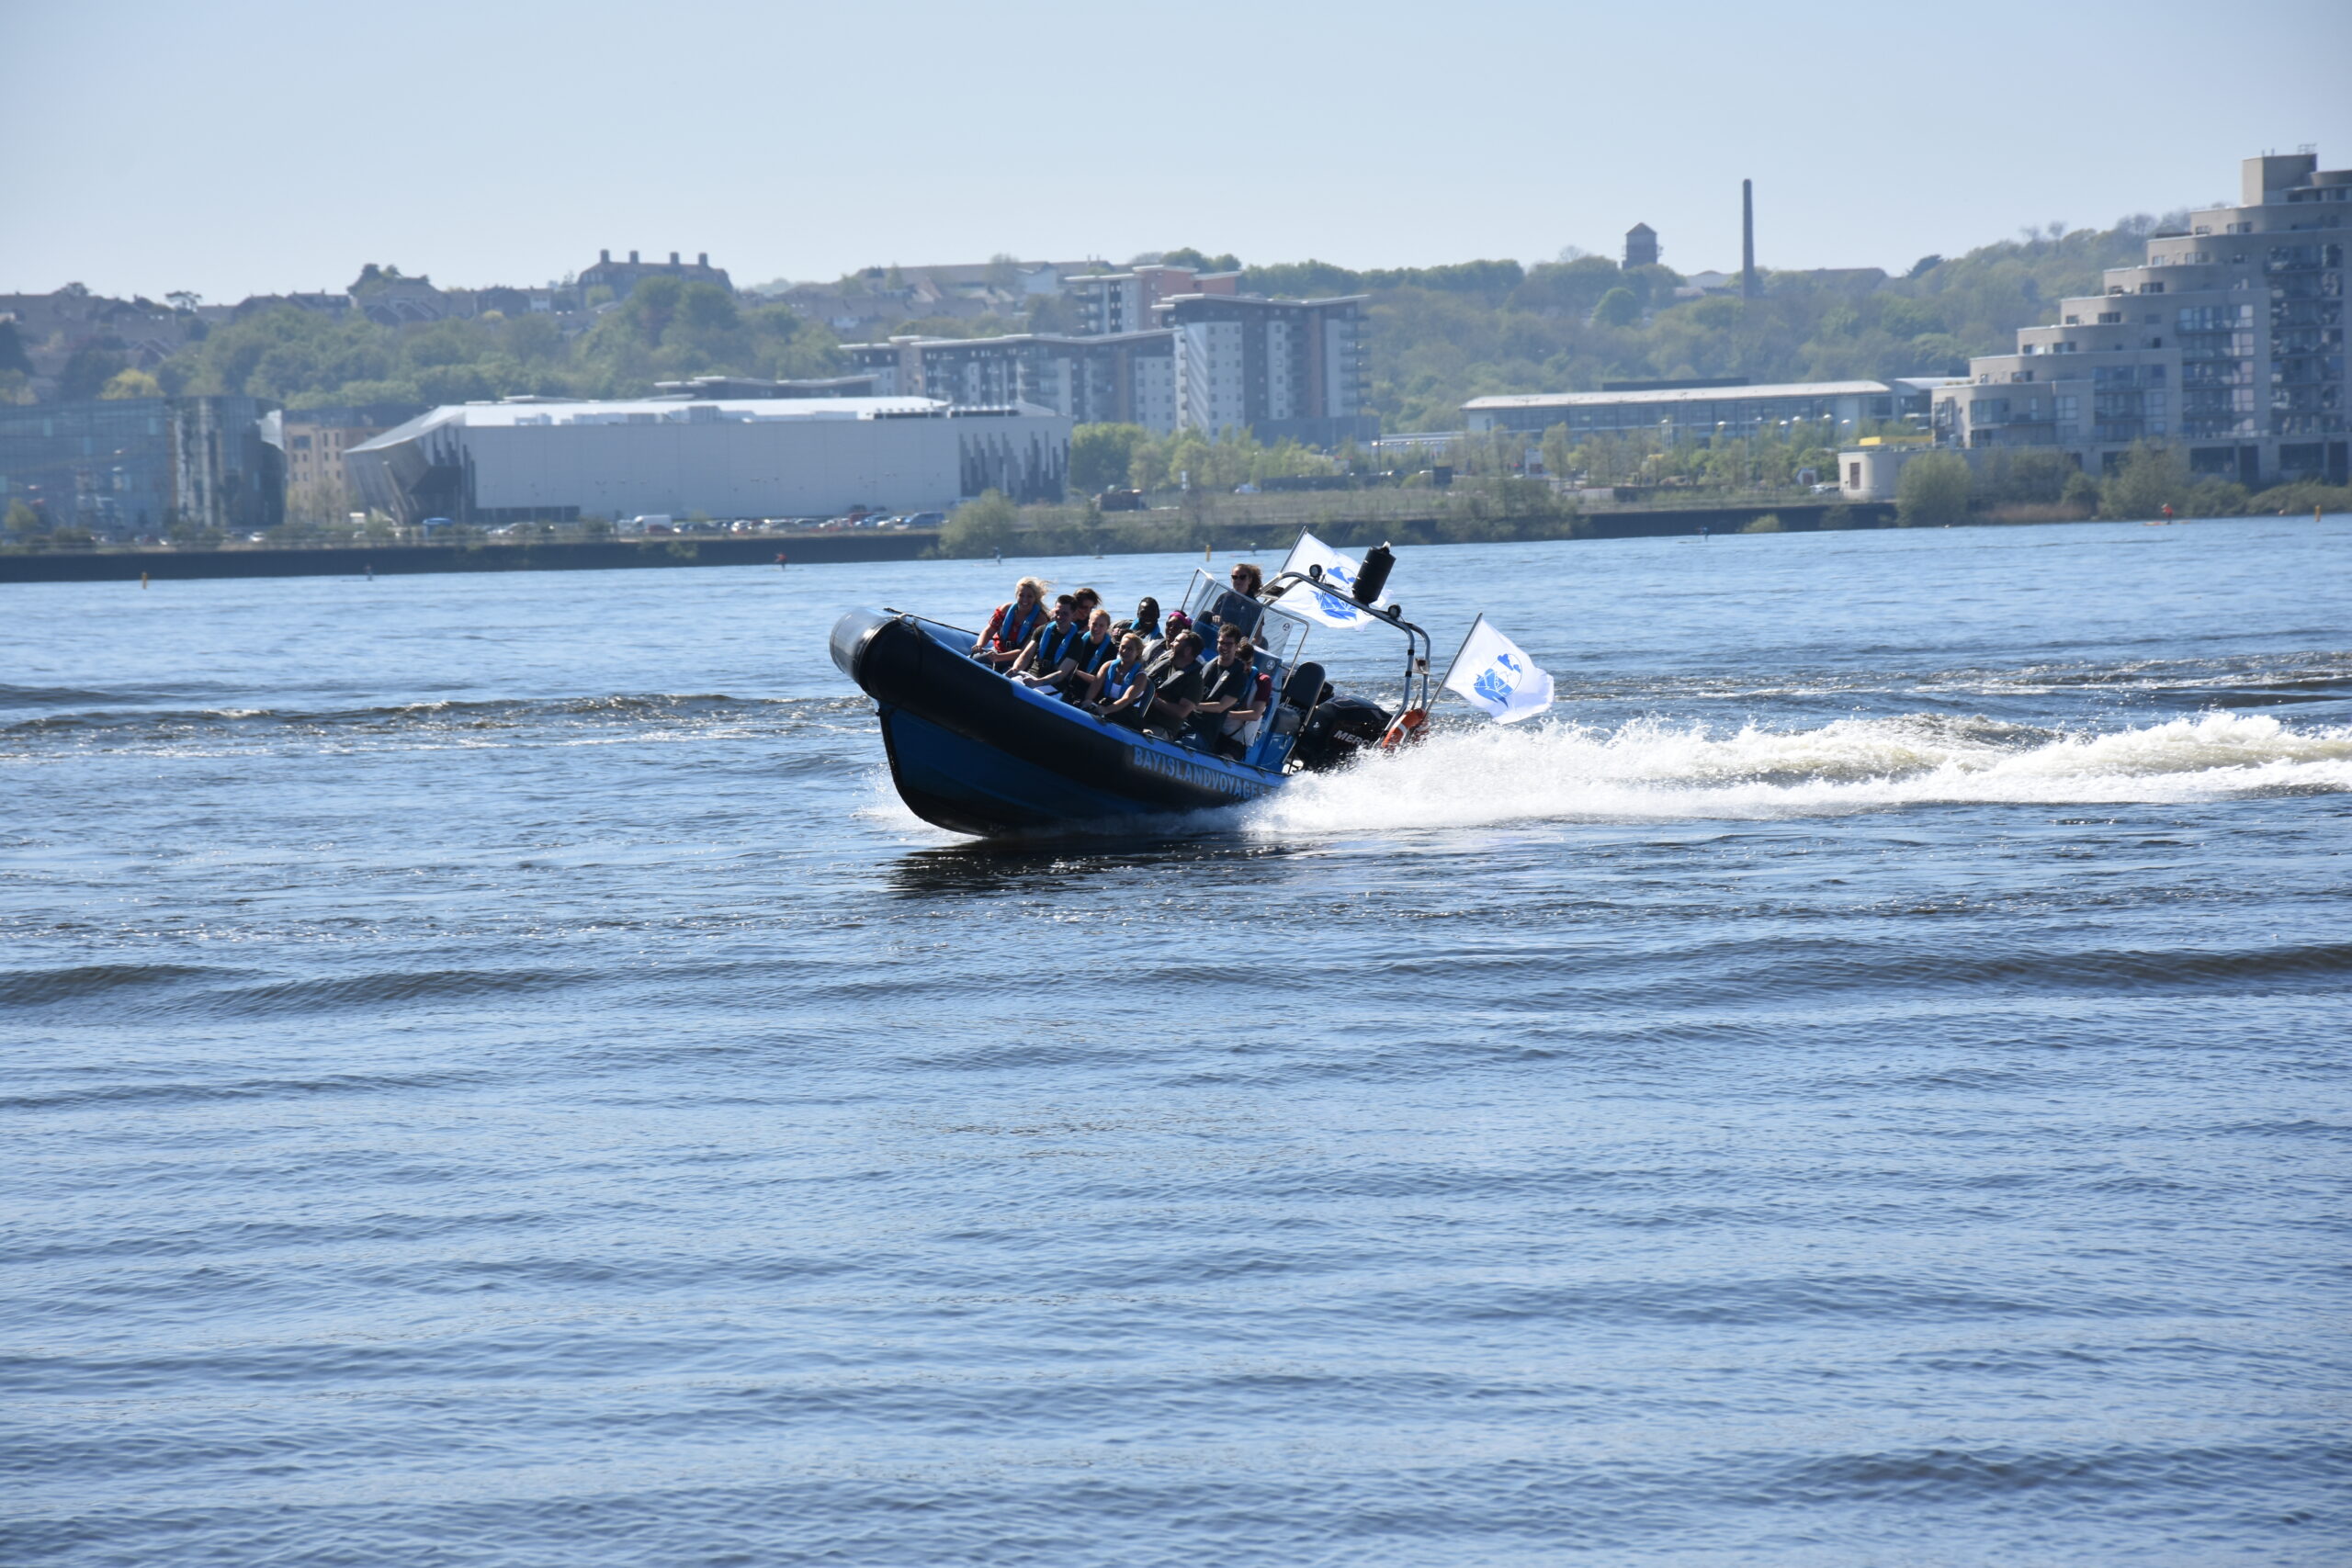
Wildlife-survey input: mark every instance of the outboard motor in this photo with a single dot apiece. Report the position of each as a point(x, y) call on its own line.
point(1339, 729)
point(1378, 563)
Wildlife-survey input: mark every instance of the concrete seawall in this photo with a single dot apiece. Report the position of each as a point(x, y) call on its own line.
point(165, 566)
point(815, 549)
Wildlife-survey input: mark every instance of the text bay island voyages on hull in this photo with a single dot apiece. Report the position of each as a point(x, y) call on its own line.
point(1055, 716)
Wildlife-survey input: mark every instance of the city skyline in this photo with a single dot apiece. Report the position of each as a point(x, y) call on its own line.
point(512, 148)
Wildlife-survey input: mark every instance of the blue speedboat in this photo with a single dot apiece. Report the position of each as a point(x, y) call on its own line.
point(976, 751)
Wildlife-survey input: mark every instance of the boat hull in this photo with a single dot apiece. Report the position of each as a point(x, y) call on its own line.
point(976, 753)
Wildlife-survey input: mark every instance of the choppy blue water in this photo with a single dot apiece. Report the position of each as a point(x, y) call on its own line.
point(493, 1077)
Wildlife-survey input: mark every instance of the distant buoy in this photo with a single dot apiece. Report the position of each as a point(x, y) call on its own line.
point(142, 579)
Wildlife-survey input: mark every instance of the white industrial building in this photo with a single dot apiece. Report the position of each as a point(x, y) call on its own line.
point(531, 460)
point(1700, 411)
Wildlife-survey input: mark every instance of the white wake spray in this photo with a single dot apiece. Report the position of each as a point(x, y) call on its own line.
point(1562, 770)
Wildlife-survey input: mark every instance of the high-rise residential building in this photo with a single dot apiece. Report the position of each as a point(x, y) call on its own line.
point(1117, 379)
point(1122, 301)
point(1282, 368)
point(2227, 340)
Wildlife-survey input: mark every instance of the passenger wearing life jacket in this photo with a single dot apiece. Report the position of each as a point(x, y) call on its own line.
point(1120, 691)
point(1176, 681)
point(1052, 654)
point(1012, 625)
point(1231, 702)
point(1085, 656)
point(1147, 622)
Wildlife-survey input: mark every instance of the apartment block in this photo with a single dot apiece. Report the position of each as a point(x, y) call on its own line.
point(1111, 302)
point(1115, 378)
point(2227, 340)
point(1282, 368)
point(313, 442)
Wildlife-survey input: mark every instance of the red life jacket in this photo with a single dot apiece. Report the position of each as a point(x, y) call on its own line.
point(1009, 629)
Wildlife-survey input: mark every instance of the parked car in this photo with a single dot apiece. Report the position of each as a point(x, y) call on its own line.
point(1116, 500)
point(1828, 489)
point(926, 519)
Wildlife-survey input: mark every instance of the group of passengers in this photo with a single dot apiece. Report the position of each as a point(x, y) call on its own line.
point(1198, 685)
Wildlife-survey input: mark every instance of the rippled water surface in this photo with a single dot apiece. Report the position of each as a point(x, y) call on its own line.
point(494, 1077)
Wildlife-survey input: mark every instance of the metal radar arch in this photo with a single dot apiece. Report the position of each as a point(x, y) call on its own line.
point(1364, 596)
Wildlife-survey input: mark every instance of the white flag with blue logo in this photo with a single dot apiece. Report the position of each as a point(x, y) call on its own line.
point(1326, 609)
point(1491, 673)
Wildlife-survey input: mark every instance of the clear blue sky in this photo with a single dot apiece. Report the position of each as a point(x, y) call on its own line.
point(236, 147)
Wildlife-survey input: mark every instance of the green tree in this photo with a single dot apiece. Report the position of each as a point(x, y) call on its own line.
point(980, 526)
point(23, 521)
point(87, 372)
point(1185, 256)
point(132, 383)
point(1618, 308)
point(1932, 491)
point(1099, 455)
point(2148, 479)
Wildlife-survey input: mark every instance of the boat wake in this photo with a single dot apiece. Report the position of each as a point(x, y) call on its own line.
point(1567, 771)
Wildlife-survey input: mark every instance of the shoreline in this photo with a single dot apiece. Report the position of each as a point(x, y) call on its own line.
point(104, 565)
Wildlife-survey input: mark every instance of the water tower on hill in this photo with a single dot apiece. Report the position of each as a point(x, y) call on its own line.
point(1641, 246)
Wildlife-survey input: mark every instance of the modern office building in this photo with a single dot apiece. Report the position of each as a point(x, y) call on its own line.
point(123, 468)
point(2227, 342)
point(100, 465)
point(1282, 368)
point(225, 473)
point(1678, 411)
point(728, 458)
point(1119, 378)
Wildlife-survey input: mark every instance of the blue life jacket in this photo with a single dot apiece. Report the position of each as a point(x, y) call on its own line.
point(1090, 655)
point(1114, 686)
point(1052, 649)
point(1013, 627)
